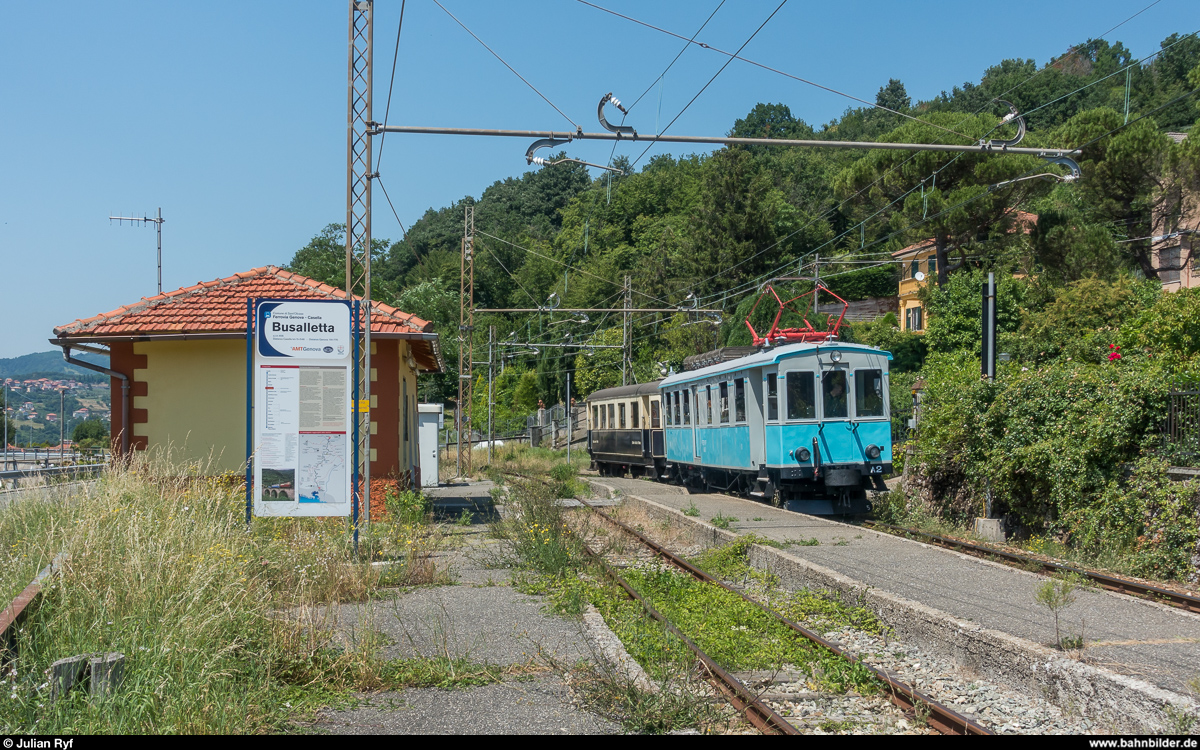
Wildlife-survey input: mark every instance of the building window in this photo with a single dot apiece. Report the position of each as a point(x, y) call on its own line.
point(932, 265)
point(912, 319)
point(913, 268)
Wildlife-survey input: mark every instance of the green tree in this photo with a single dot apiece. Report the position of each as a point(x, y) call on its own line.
point(324, 259)
point(90, 433)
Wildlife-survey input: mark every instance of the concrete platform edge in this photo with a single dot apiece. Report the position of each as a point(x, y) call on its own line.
point(1129, 704)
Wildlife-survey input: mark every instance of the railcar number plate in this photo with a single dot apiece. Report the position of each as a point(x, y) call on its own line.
point(878, 469)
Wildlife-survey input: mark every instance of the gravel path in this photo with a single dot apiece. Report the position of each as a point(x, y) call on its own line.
point(483, 619)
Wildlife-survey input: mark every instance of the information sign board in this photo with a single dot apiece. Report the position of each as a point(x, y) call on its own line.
point(303, 394)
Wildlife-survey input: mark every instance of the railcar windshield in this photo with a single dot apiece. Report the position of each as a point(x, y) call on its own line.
point(801, 400)
point(868, 393)
point(833, 384)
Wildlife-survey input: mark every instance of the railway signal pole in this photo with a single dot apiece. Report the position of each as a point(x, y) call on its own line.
point(466, 330)
point(359, 129)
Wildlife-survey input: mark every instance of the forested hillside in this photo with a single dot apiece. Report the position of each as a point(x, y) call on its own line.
point(718, 225)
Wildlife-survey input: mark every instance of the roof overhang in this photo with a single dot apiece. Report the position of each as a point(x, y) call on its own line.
point(426, 349)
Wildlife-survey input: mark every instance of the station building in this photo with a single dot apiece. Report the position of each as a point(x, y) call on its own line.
point(177, 363)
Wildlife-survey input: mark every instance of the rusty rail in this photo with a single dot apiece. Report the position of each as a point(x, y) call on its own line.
point(1103, 580)
point(13, 612)
point(758, 713)
point(942, 718)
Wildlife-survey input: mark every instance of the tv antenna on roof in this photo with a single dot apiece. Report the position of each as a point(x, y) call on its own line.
point(147, 220)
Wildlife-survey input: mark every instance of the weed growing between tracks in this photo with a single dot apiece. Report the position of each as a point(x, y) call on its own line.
point(162, 568)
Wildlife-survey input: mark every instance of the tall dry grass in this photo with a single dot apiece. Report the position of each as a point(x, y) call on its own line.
point(162, 568)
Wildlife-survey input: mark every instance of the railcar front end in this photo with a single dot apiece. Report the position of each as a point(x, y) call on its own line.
point(805, 426)
point(625, 431)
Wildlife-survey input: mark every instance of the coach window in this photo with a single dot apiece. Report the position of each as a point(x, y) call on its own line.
point(678, 409)
point(612, 416)
point(739, 399)
point(801, 400)
point(654, 418)
point(724, 403)
point(621, 415)
point(687, 409)
point(708, 409)
point(633, 416)
point(772, 397)
point(833, 387)
point(868, 393)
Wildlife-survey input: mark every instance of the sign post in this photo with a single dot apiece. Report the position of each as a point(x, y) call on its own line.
point(302, 396)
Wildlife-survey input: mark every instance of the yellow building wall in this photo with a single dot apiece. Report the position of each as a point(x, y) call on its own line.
point(195, 401)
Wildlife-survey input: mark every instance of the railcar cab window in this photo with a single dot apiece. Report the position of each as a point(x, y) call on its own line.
point(801, 400)
point(772, 397)
point(833, 385)
point(621, 415)
point(654, 415)
point(595, 417)
point(739, 399)
point(667, 406)
point(633, 416)
point(868, 393)
point(724, 403)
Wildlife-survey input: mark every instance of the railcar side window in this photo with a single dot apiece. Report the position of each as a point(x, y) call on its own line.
point(772, 397)
point(633, 416)
point(724, 403)
point(678, 409)
point(801, 401)
point(612, 416)
point(687, 409)
point(654, 417)
point(708, 403)
point(868, 393)
point(621, 415)
point(739, 399)
point(833, 385)
point(595, 417)
point(603, 417)
point(667, 407)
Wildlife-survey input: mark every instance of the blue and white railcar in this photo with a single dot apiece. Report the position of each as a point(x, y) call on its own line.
point(804, 425)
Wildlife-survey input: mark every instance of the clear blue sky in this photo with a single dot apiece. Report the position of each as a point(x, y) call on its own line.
point(231, 115)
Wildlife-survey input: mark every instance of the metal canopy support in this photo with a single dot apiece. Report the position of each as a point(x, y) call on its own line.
point(359, 128)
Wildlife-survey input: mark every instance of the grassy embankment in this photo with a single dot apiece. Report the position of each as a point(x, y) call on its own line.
point(225, 630)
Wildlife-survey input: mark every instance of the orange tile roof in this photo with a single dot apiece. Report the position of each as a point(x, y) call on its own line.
point(220, 307)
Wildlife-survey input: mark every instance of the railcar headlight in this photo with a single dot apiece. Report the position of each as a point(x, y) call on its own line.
point(872, 452)
point(803, 454)
point(835, 356)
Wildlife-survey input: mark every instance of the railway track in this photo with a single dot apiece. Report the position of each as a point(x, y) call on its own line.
point(1103, 580)
point(940, 717)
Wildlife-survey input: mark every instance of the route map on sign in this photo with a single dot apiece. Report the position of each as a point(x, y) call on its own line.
point(322, 470)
